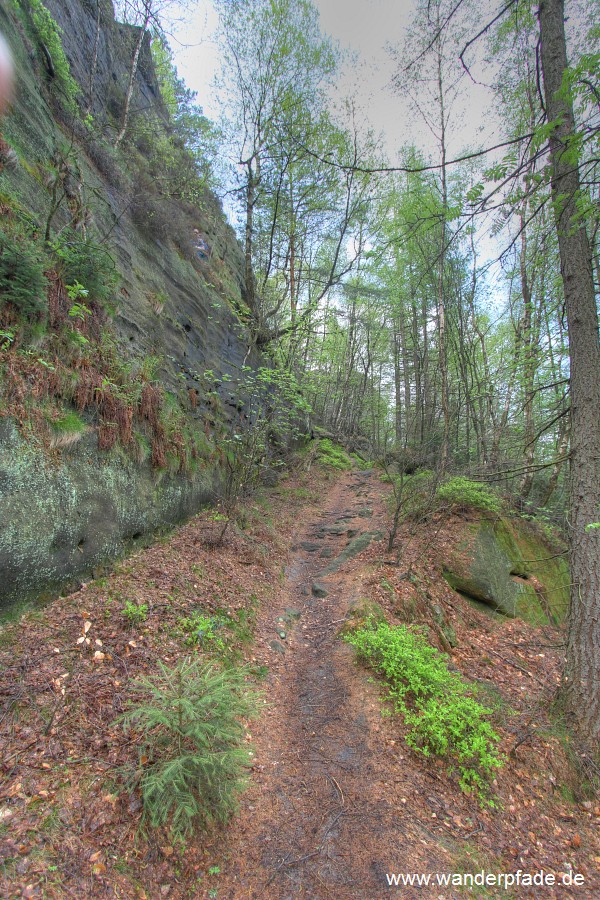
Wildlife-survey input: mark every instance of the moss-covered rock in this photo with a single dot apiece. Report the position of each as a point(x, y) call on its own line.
point(61, 521)
point(509, 566)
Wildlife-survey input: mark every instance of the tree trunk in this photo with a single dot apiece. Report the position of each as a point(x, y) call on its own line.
point(562, 445)
point(529, 366)
point(132, 73)
point(249, 236)
point(441, 298)
point(581, 681)
point(94, 67)
point(397, 386)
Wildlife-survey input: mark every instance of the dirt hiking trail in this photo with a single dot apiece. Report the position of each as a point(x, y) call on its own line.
point(336, 800)
point(326, 815)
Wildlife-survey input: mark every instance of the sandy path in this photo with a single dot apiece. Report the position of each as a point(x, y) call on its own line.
point(324, 816)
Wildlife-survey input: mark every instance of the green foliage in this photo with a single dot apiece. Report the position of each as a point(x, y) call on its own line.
point(438, 706)
point(220, 631)
point(274, 409)
point(87, 268)
point(204, 630)
point(462, 493)
point(414, 495)
point(193, 133)
point(48, 33)
point(69, 423)
point(187, 722)
point(22, 279)
point(6, 338)
point(79, 311)
point(333, 456)
point(135, 613)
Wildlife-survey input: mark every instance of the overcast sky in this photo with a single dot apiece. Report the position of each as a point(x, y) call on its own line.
point(366, 27)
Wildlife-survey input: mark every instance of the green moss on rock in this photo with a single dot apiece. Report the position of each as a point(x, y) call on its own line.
point(507, 565)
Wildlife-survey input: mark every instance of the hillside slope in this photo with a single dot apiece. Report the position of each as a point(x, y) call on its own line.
point(112, 414)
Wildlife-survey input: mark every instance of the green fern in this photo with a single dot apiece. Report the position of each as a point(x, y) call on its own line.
point(193, 754)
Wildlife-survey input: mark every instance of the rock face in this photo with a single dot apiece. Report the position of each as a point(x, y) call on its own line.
point(78, 22)
point(63, 514)
point(66, 520)
point(507, 565)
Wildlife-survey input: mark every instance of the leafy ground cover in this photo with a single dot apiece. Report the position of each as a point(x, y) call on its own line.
point(441, 710)
point(71, 820)
point(335, 796)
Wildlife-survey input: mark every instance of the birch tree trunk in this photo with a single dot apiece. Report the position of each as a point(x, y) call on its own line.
point(147, 15)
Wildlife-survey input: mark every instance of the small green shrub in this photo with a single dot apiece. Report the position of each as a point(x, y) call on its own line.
point(193, 754)
point(22, 279)
point(462, 493)
point(203, 630)
point(416, 493)
point(84, 264)
point(332, 455)
point(136, 613)
point(48, 33)
point(444, 717)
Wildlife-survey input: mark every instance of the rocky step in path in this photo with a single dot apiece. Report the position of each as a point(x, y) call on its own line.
point(324, 815)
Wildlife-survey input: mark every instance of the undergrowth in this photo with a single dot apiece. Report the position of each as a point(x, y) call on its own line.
point(201, 629)
point(423, 493)
point(48, 33)
point(332, 455)
point(443, 716)
point(221, 632)
point(135, 613)
point(187, 723)
point(462, 493)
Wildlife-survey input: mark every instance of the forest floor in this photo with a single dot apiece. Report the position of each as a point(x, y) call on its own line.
point(336, 800)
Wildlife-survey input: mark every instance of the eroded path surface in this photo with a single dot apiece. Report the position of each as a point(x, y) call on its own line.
point(326, 814)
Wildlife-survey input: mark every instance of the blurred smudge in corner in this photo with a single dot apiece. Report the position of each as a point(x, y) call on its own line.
point(8, 158)
point(6, 74)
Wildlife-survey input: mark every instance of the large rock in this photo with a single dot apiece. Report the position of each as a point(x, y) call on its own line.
point(510, 567)
point(60, 522)
point(64, 514)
